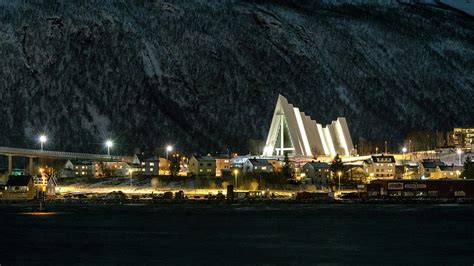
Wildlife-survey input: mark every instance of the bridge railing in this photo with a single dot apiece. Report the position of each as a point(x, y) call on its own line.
point(62, 154)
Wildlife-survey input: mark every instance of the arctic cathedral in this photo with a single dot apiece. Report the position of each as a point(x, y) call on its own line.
point(297, 134)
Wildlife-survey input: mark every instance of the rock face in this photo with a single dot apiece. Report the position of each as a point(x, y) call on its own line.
point(205, 75)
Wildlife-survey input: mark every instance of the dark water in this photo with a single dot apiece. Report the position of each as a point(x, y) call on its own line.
point(249, 234)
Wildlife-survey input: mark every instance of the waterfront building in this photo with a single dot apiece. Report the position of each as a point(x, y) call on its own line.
point(79, 168)
point(428, 167)
point(19, 187)
point(151, 166)
point(295, 133)
point(438, 188)
point(380, 166)
point(202, 165)
point(319, 172)
point(257, 166)
point(223, 165)
point(461, 138)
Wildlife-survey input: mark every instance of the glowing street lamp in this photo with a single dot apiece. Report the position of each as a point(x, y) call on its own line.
point(109, 143)
point(459, 152)
point(404, 150)
point(42, 140)
point(236, 173)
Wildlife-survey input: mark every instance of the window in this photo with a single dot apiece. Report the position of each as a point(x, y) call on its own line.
point(409, 193)
point(200, 164)
point(77, 173)
point(143, 163)
point(152, 164)
point(200, 170)
point(209, 164)
point(459, 193)
point(433, 193)
point(151, 169)
point(83, 173)
point(395, 193)
point(208, 170)
point(264, 168)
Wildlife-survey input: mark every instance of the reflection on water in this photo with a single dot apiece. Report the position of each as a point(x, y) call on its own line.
point(40, 213)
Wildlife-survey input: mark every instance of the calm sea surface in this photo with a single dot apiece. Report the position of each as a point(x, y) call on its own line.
point(239, 234)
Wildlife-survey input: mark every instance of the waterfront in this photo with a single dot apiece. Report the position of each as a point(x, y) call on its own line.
point(238, 234)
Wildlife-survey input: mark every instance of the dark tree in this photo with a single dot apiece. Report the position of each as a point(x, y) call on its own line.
point(174, 164)
point(286, 169)
point(468, 172)
point(337, 165)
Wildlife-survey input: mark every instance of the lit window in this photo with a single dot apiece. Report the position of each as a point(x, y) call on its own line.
point(77, 173)
point(151, 169)
point(200, 170)
point(83, 173)
point(152, 164)
point(264, 168)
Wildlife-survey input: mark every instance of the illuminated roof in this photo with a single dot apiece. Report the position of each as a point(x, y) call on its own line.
point(295, 133)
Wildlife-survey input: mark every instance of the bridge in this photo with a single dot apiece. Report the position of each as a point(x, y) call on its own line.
point(57, 155)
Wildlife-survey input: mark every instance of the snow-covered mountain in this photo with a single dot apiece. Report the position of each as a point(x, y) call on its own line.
point(205, 75)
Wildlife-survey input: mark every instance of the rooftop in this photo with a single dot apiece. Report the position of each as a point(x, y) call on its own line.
point(18, 180)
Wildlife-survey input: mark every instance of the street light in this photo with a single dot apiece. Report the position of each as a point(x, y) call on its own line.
point(404, 150)
point(42, 140)
point(109, 143)
point(169, 149)
point(459, 152)
point(236, 172)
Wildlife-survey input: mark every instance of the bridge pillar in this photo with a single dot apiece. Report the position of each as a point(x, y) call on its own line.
point(30, 166)
point(10, 164)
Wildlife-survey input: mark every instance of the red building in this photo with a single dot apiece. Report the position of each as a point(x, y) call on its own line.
point(438, 188)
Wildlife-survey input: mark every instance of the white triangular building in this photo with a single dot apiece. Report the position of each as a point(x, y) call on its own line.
point(297, 134)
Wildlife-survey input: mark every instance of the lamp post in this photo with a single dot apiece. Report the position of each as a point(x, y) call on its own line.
point(459, 152)
point(109, 143)
point(404, 150)
point(42, 140)
point(236, 173)
point(169, 149)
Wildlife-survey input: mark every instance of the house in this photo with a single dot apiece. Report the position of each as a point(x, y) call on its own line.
point(139, 159)
point(113, 169)
point(447, 171)
point(44, 184)
point(79, 168)
point(51, 187)
point(19, 187)
point(165, 166)
point(319, 172)
point(151, 166)
point(430, 166)
point(223, 165)
point(202, 165)
point(380, 166)
point(257, 166)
